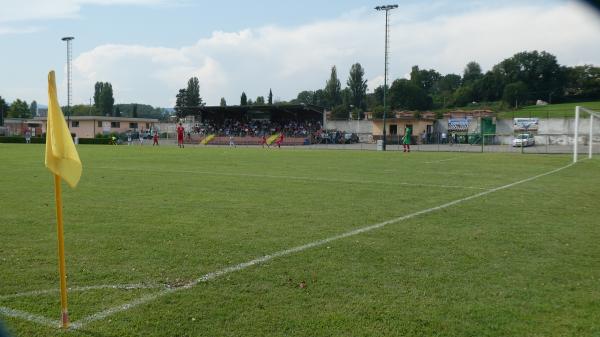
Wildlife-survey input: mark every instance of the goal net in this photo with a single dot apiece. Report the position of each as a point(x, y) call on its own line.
point(586, 127)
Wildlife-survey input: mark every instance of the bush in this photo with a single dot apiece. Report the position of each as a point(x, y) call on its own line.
point(12, 139)
point(21, 140)
point(97, 141)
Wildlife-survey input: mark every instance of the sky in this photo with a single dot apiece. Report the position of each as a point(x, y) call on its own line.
point(148, 49)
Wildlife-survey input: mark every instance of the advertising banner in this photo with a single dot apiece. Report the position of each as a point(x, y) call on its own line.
point(526, 124)
point(459, 124)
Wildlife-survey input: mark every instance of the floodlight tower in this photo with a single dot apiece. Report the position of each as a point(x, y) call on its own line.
point(387, 9)
point(68, 39)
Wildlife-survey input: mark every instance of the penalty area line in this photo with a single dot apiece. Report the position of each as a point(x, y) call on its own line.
point(213, 275)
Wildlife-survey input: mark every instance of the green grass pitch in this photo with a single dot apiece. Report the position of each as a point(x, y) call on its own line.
point(522, 261)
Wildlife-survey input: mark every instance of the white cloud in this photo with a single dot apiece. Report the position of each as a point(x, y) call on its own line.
point(293, 59)
point(31, 10)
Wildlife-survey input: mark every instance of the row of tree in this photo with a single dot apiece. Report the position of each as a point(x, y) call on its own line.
point(523, 78)
point(17, 109)
point(244, 100)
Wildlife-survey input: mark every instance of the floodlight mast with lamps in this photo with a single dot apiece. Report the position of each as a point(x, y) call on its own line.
point(68, 39)
point(387, 9)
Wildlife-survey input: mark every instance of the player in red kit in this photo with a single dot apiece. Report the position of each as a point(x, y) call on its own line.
point(180, 132)
point(279, 140)
point(155, 138)
point(263, 141)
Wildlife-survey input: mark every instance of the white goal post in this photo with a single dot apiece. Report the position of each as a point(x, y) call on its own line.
point(592, 114)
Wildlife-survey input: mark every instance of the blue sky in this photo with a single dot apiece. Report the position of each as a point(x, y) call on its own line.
point(149, 48)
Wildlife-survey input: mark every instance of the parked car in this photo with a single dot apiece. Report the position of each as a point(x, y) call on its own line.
point(523, 139)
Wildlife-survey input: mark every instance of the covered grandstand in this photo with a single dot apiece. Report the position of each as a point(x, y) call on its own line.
point(247, 124)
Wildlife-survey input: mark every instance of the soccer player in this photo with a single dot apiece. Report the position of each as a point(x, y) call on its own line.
point(263, 141)
point(406, 139)
point(155, 138)
point(279, 140)
point(180, 132)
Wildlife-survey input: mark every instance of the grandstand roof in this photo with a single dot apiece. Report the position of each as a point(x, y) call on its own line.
point(274, 112)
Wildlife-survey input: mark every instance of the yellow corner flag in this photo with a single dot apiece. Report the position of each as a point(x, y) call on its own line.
point(62, 160)
point(61, 156)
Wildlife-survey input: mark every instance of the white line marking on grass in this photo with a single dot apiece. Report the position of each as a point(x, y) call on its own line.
point(440, 161)
point(84, 288)
point(311, 179)
point(29, 317)
point(210, 276)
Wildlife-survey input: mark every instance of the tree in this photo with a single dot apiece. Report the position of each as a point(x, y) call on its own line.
point(340, 112)
point(103, 98)
point(97, 91)
point(489, 87)
point(82, 110)
point(425, 79)
point(445, 87)
point(375, 99)
point(107, 100)
point(260, 100)
point(305, 97)
point(270, 101)
point(472, 72)
point(141, 110)
point(223, 102)
point(180, 102)
point(582, 82)
point(3, 110)
point(514, 93)
point(404, 94)
point(249, 102)
point(463, 95)
point(117, 111)
point(358, 86)
point(320, 98)
point(449, 83)
point(192, 92)
point(243, 99)
point(346, 97)
point(19, 109)
point(33, 108)
point(540, 72)
point(333, 89)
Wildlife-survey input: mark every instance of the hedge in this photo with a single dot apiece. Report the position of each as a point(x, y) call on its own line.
point(98, 141)
point(21, 139)
point(42, 140)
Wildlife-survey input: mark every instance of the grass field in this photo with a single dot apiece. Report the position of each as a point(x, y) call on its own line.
point(518, 261)
point(562, 110)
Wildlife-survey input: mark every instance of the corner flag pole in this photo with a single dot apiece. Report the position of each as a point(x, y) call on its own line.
point(61, 253)
point(63, 161)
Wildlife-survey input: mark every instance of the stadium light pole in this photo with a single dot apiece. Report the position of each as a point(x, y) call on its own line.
point(68, 39)
point(387, 9)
